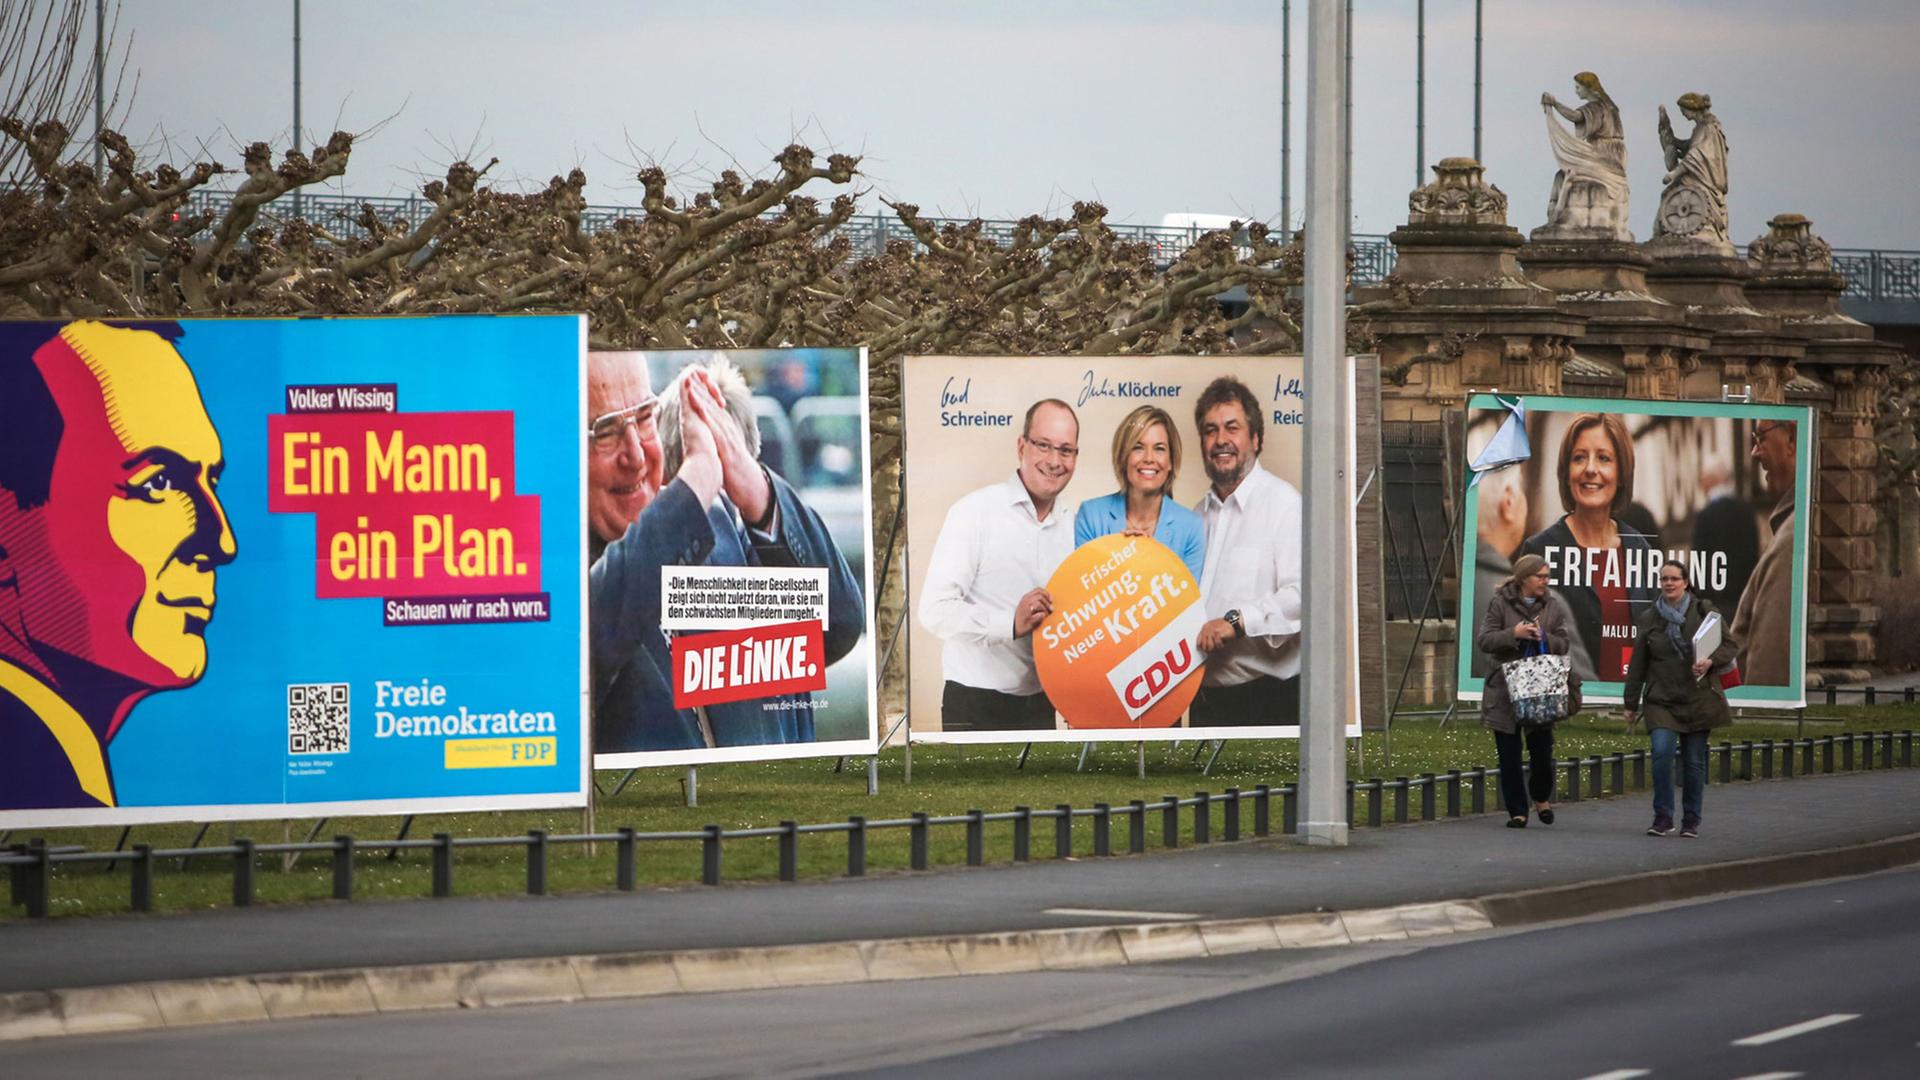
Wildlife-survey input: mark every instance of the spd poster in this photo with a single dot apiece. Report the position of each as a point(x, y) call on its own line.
point(290, 567)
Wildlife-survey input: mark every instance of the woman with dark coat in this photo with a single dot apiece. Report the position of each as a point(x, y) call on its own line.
point(1681, 694)
point(1519, 614)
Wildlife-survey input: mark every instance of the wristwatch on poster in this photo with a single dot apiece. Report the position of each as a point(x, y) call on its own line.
point(1233, 620)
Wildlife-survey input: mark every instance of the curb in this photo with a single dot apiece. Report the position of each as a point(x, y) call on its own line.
point(182, 1003)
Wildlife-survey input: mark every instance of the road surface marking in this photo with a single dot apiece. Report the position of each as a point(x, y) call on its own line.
point(1621, 1074)
point(1791, 1030)
point(1773, 1076)
point(1110, 913)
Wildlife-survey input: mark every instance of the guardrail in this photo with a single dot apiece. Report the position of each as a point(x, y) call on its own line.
point(31, 865)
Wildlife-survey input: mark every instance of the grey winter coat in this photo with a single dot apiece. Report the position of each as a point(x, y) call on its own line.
point(1495, 639)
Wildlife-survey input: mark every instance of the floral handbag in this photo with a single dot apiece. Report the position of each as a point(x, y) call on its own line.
point(1540, 687)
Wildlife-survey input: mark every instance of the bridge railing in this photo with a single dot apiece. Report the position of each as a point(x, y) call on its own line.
point(1879, 275)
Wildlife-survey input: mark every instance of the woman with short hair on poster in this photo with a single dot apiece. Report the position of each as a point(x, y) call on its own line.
point(1146, 458)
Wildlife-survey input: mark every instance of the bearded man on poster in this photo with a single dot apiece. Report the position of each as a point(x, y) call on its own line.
point(722, 507)
point(985, 589)
point(1251, 573)
point(1763, 623)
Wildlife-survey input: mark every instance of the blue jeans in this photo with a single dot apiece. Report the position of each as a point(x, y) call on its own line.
point(1693, 773)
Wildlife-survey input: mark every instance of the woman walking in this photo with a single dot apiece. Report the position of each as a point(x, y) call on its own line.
point(1523, 617)
point(1681, 693)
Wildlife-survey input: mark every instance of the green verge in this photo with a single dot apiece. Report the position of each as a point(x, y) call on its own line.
point(947, 780)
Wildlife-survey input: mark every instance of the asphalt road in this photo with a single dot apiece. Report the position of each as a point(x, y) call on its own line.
point(1672, 991)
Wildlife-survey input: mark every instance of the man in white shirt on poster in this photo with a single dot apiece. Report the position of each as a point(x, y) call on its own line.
point(985, 588)
point(1251, 573)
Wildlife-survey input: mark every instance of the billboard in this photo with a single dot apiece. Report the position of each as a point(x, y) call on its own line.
point(290, 567)
point(1607, 490)
point(728, 527)
point(1055, 596)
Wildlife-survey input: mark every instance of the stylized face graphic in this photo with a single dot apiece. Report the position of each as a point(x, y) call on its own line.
point(1227, 444)
point(1149, 460)
point(625, 461)
point(1593, 470)
point(1048, 452)
point(132, 530)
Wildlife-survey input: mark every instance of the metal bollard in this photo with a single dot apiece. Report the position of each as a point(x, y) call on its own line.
point(1833, 694)
point(142, 870)
point(1376, 804)
point(1063, 831)
point(39, 879)
point(442, 864)
point(1137, 827)
point(917, 841)
point(1479, 790)
point(536, 862)
point(1846, 751)
point(1290, 810)
point(1262, 810)
point(1202, 818)
point(1400, 800)
point(1766, 760)
point(1746, 759)
point(343, 868)
point(1786, 759)
point(626, 861)
point(1230, 819)
point(1170, 821)
point(710, 855)
point(789, 851)
point(1826, 753)
point(976, 837)
point(1617, 781)
point(243, 872)
point(1453, 793)
point(1640, 770)
point(856, 846)
point(1102, 830)
point(1429, 796)
point(1023, 834)
point(1593, 777)
point(1806, 757)
point(1886, 749)
point(17, 876)
point(1726, 763)
point(1869, 699)
point(1352, 790)
point(1573, 779)
point(1906, 745)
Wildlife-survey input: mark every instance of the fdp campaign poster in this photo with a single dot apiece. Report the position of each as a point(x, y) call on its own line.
point(728, 523)
point(1105, 548)
point(290, 567)
point(1606, 491)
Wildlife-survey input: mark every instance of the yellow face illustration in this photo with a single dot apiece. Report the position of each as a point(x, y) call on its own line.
point(132, 527)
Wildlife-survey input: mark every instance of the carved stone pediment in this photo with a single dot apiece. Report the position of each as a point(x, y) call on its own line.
point(1790, 245)
point(1458, 195)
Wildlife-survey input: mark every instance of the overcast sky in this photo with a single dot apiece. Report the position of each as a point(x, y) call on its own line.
point(1003, 108)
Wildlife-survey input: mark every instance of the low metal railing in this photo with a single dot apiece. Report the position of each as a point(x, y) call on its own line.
point(31, 865)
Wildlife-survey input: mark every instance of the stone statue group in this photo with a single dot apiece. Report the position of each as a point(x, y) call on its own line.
point(1589, 199)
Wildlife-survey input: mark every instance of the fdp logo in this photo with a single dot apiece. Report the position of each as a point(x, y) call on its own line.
point(1118, 650)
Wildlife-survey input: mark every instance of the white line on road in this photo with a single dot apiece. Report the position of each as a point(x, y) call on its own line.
point(1109, 913)
point(1791, 1030)
point(1773, 1076)
point(1621, 1074)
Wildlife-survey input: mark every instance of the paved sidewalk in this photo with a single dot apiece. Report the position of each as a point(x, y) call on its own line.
point(1448, 859)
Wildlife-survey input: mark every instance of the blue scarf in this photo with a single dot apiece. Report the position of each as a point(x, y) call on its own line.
point(1676, 624)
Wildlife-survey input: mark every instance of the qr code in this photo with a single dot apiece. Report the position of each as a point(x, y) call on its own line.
point(317, 718)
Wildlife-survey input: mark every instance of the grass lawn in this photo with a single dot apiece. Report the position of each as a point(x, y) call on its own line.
point(947, 780)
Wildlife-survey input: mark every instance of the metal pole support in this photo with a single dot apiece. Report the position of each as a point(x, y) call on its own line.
point(1202, 818)
point(976, 838)
point(536, 862)
point(1573, 779)
point(1480, 789)
point(1023, 833)
point(856, 846)
point(442, 864)
point(917, 841)
point(789, 851)
point(141, 868)
point(1429, 796)
point(1231, 821)
point(1594, 787)
point(1453, 793)
point(1400, 791)
point(343, 868)
point(710, 855)
point(1262, 810)
point(1137, 827)
point(1063, 831)
point(243, 873)
point(1290, 810)
point(626, 861)
point(1170, 821)
point(1102, 830)
point(1618, 786)
point(1375, 803)
point(39, 879)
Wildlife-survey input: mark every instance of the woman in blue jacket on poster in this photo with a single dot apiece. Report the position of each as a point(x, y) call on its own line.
point(1146, 458)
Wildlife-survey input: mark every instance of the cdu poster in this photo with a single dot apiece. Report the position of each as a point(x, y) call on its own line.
point(288, 567)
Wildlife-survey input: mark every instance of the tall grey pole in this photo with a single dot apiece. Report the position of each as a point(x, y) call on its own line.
point(99, 86)
point(1420, 93)
point(1346, 103)
point(1286, 120)
point(1326, 688)
point(1476, 84)
point(295, 141)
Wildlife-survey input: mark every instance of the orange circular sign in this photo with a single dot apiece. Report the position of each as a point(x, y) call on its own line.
point(1118, 650)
